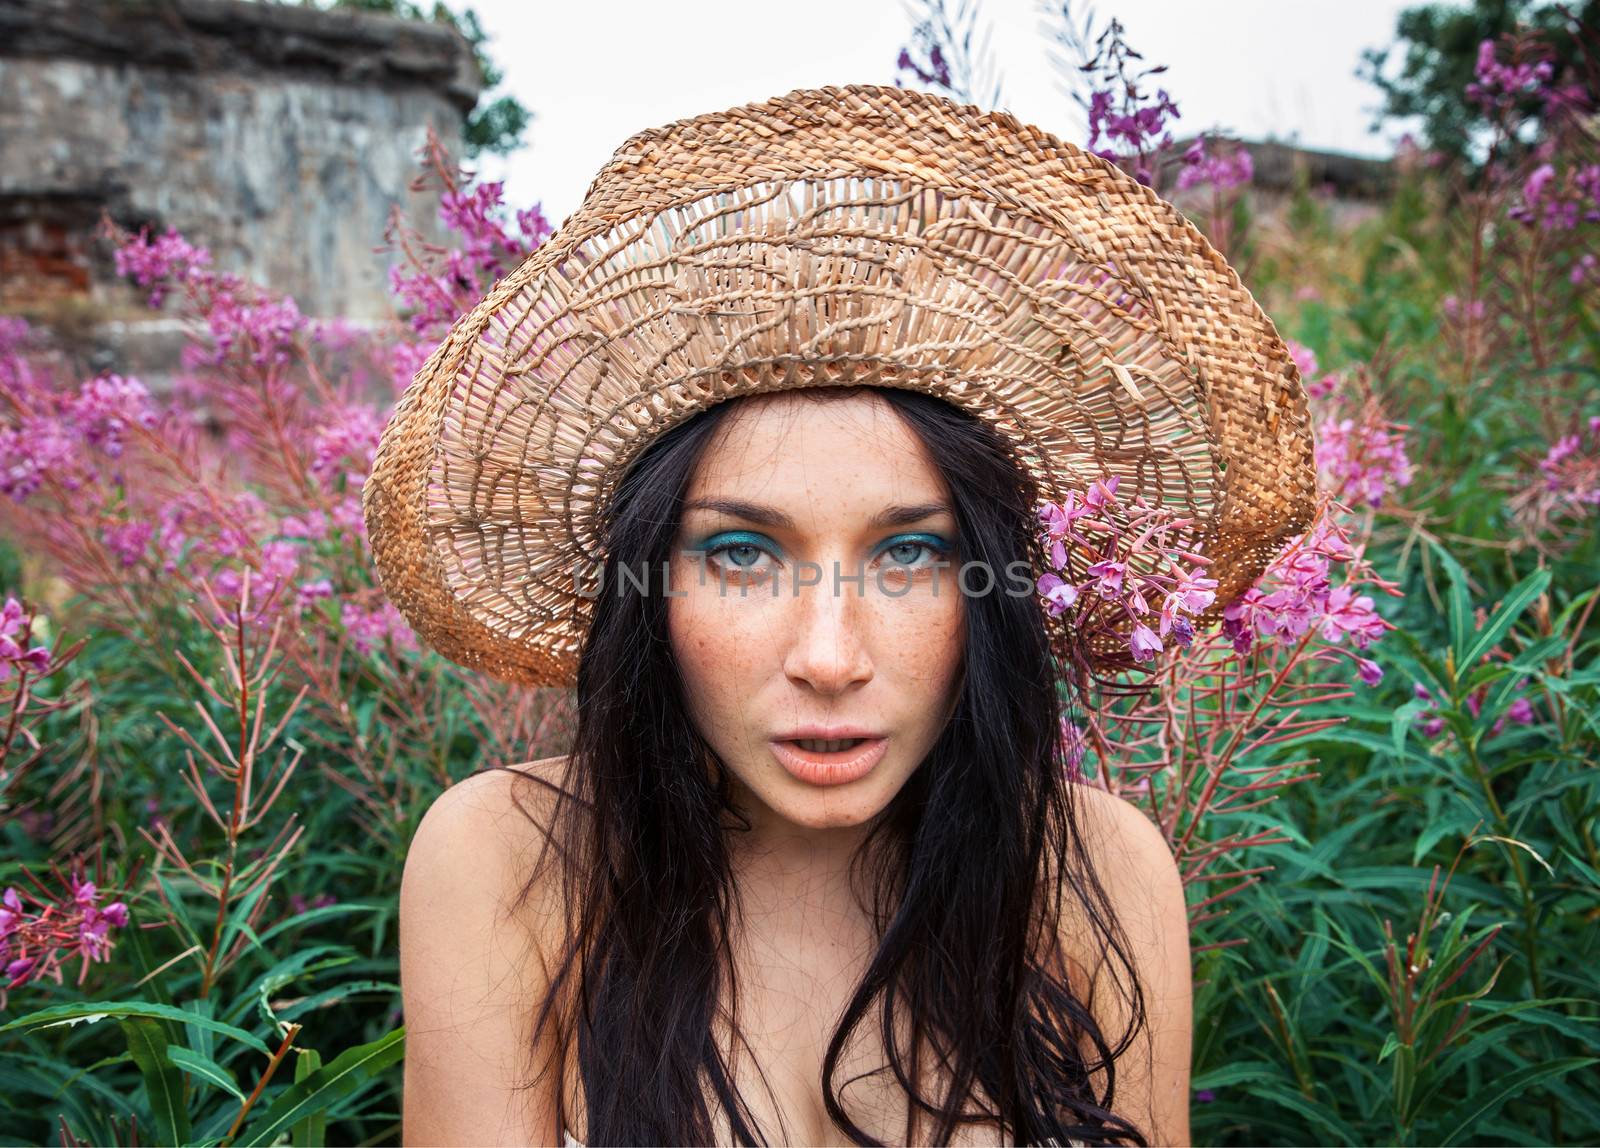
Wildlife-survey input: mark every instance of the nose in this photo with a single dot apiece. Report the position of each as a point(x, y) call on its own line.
point(828, 651)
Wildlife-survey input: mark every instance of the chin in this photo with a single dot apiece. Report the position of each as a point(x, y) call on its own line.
point(815, 807)
point(829, 810)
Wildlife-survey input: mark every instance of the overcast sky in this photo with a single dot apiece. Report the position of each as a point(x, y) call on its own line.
point(593, 72)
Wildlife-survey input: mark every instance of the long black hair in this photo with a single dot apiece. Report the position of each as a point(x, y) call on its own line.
point(968, 867)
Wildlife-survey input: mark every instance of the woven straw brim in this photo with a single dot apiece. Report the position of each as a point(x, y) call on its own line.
point(846, 235)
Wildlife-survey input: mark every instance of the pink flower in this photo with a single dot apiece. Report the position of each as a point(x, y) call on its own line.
point(1295, 595)
point(1362, 461)
point(1102, 493)
point(1346, 612)
point(1569, 486)
point(38, 447)
point(1499, 86)
point(107, 406)
point(310, 592)
point(1131, 554)
point(1231, 169)
point(369, 628)
point(15, 654)
point(1369, 671)
point(1058, 594)
point(10, 912)
point(1144, 643)
point(1534, 187)
point(1110, 576)
point(34, 944)
point(348, 436)
point(1059, 517)
point(129, 541)
point(1191, 595)
point(152, 262)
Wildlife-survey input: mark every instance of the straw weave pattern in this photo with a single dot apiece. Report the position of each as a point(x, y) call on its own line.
point(837, 236)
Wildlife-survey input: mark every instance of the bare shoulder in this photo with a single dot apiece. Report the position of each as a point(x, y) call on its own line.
point(488, 794)
point(474, 959)
point(1135, 865)
point(1125, 841)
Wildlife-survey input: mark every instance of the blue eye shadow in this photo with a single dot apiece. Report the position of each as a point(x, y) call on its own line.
point(738, 538)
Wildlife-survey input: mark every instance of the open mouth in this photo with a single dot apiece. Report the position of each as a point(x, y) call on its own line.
point(817, 745)
point(819, 761)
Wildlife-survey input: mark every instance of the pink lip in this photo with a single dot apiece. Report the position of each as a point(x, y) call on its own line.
point(826, 733)
point(838, 768)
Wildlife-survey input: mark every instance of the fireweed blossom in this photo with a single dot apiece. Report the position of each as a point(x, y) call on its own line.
point(1559, 203)
point(1362, 458)
point(1504, 85)
point(15, 653)
point(1565, 486)
point(1432, 725)
point(35, 941)
point(1225, 170)
point(1296, 598)
point(246, 478)
point(1114, 568)
point(1306, 360)
point(157, 263)
point(1360, 455)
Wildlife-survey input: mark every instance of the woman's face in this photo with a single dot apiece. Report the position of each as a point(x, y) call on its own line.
point(825, 601)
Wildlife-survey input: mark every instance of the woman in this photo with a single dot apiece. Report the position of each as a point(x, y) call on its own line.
point(813, 871)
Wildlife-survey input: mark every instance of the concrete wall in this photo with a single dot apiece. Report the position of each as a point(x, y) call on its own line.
point(279, 137)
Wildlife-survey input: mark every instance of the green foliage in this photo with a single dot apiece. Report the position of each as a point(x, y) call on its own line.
point(1440, 51)
point(1417, 964)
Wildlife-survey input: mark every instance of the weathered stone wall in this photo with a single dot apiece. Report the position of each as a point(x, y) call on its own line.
point(279, 137)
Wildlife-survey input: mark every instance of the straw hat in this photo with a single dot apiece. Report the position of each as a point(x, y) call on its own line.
point(843, 235)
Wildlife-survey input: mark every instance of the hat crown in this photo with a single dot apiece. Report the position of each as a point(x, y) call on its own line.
point(832, 237)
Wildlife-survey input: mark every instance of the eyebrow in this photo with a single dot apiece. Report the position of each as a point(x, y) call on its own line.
point(899, 515)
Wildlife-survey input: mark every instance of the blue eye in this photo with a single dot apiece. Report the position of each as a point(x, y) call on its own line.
point(734, 549)
point(910, 546)
point(737, 552)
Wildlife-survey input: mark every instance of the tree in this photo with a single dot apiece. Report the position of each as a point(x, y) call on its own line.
point(1440, 44)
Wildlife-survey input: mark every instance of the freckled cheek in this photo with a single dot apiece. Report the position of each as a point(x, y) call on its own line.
point(717, 637)
point(920, 635)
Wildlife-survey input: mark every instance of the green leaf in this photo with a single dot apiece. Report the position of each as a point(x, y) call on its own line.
point(334, 995)
point(1459, 819)
point(1533, 657)
point(206, 1069)
point(1247, 1072)
point(90, 1104)
point(1461, 1121)
point(1516, 600)
point(90, 1011)
point(321, 912)
point(312, 1132)
point(1459, 604)
point(239, 914)
point(302, 963)
point(163, 1083)
point(1324, 1119)
point(1404, 715)
point(351, 1070)
point(179, 917)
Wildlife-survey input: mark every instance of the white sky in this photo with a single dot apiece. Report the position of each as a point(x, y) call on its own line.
point(593, 72)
